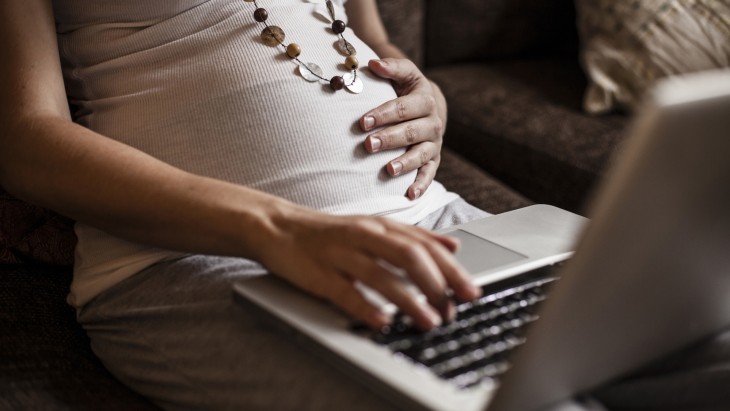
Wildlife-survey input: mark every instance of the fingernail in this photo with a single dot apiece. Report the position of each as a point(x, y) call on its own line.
point(381, 318)
point(416, 193)
point(434, 318)
point(476, 291)
point(397, 167)
point(375, 144)
point(383, 63)
point(445, 306)
point(369, 122)
point(449, 312)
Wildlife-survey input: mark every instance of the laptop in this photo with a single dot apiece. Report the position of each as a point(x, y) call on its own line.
point(567, 305)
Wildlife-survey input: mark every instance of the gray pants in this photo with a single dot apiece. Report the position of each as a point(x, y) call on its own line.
point(173, 334)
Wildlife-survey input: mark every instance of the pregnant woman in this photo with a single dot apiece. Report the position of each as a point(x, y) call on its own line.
point(203, 142)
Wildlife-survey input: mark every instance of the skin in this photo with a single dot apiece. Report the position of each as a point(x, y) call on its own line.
point(417, 118)
point(48, 160)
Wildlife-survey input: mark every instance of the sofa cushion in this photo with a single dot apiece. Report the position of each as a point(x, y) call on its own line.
point(630, 44)
point(469, 30)
point(30, 234)
point(692, 379)
point(475, 186)
point(522, 122)
point(46, 362)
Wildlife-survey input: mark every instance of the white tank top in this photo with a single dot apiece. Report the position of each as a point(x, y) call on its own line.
point(190, 82)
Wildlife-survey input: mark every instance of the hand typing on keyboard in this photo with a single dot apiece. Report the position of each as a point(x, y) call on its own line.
point(475, 345)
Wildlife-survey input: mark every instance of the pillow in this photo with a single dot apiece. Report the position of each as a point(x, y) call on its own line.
point(629, 44)
point(481, 30)
point(33, 235)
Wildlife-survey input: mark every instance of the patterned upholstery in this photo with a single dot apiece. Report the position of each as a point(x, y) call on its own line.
point(521, 121)
point(479, 30)
point(476, 186)
point(46, 362)
point(510, 73)
point(30, 234)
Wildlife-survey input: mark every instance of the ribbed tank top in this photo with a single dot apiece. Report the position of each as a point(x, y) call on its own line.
point(190, 83)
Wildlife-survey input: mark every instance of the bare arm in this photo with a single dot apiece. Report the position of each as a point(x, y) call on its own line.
point(365, 21)
point(48, 160)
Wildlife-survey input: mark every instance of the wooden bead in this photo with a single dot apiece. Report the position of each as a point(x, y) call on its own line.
point(345, 48)
point(260, 15)
point(293, 50)
point(338, 26)
point(352, 63)
point(337, 83)
point(331, 9)
point(272, 36)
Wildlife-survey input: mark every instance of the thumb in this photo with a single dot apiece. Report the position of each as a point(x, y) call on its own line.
point(398, 70)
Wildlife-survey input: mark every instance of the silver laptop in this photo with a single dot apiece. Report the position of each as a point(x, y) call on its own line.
point(650, 274)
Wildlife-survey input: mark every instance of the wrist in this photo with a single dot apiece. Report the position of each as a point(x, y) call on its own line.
point(222, 218)
point(268, 227)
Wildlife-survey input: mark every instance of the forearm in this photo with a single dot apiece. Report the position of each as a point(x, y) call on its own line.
point(48, 160)
point(52, 162)
point(365, 21)
point(387, 49)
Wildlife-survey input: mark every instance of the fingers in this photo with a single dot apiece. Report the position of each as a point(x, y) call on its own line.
point(406, 134)
point(329, 256)
point(424, 178)
point(412, 120)
point(408, 107)
point(417, 157)
point(394, 289)
point(416, 98)
point(398, 70)
point(347, 265)
point(457, 278)
point(428, 263)
point(342, 292)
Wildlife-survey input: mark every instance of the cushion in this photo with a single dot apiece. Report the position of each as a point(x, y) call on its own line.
point(629, 44)
point(469, 30)
point(522, 122)
point(46, 362)
point(30, 234)
point(692, 379)
point(475, 186)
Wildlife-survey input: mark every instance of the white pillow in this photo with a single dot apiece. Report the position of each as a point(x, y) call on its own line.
point(629, 44)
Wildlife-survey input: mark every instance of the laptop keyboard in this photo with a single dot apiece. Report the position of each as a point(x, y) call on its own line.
point(474, 346)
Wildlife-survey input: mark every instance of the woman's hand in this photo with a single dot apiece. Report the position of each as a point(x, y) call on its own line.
point(327, 255)
point(416, 119)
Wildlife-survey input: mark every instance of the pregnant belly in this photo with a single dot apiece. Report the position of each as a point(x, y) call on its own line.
point(214, 101)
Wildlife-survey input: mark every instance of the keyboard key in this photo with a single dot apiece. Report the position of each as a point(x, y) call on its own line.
point(474, 346)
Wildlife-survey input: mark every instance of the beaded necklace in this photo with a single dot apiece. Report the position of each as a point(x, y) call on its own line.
point(274, 36)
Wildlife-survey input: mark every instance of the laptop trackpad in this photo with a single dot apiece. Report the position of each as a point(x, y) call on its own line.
point(477, 254)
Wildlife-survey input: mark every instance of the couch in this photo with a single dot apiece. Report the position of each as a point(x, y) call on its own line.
point(510, 72)
point(516, 135)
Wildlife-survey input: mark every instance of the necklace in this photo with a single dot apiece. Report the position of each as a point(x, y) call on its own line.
point(274, 36)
